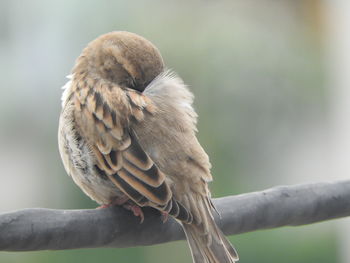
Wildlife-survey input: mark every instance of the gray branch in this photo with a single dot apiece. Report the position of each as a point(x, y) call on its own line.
point(40, 229)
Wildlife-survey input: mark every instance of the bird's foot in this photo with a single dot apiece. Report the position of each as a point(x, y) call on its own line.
point(164, 216)
point(124, 201)
point(137, 211)
point(117, 201)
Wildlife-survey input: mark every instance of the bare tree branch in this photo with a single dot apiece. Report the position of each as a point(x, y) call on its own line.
point(39, 229)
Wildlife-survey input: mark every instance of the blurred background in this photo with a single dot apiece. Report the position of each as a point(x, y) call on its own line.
point(271, 80)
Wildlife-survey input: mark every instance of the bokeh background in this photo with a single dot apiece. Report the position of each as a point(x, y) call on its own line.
point(271, 80)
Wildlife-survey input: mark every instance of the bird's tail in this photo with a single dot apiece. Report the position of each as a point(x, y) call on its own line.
point(207, 242)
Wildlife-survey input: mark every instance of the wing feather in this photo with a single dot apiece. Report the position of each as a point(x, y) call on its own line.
point(106, 126)
point(103, 114)
point(159, 195)
point(153, 176)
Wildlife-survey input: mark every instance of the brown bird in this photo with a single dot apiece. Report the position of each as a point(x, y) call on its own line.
point(127, 137)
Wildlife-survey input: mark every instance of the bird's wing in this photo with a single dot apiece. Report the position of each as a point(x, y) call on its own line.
point(103, 115)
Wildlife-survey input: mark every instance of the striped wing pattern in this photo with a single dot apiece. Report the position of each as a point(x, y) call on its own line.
point(103, 113)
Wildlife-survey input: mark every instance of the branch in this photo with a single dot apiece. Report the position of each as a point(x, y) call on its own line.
point(40, 229)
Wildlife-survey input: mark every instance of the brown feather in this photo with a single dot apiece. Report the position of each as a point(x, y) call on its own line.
point(107, 116)
point(136, 99)
point(138, 158)
point(137, 113)
point(152, 176)
point(90, 103)
point(101, 162)
point(158, 195)
point(116, 132)
point(128, 190)
point(110, 145)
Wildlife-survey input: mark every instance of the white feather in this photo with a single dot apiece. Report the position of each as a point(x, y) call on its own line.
point(66, 90)
point(168, 90)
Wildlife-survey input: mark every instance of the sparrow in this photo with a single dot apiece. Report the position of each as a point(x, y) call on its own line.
point(127, 136)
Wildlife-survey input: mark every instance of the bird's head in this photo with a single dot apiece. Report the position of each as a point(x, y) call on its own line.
point(123, 58)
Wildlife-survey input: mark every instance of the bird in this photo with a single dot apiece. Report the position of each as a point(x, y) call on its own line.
point(127, 136)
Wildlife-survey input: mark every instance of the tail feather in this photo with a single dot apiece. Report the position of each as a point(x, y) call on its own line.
point(207, 242)
point(209, 248)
